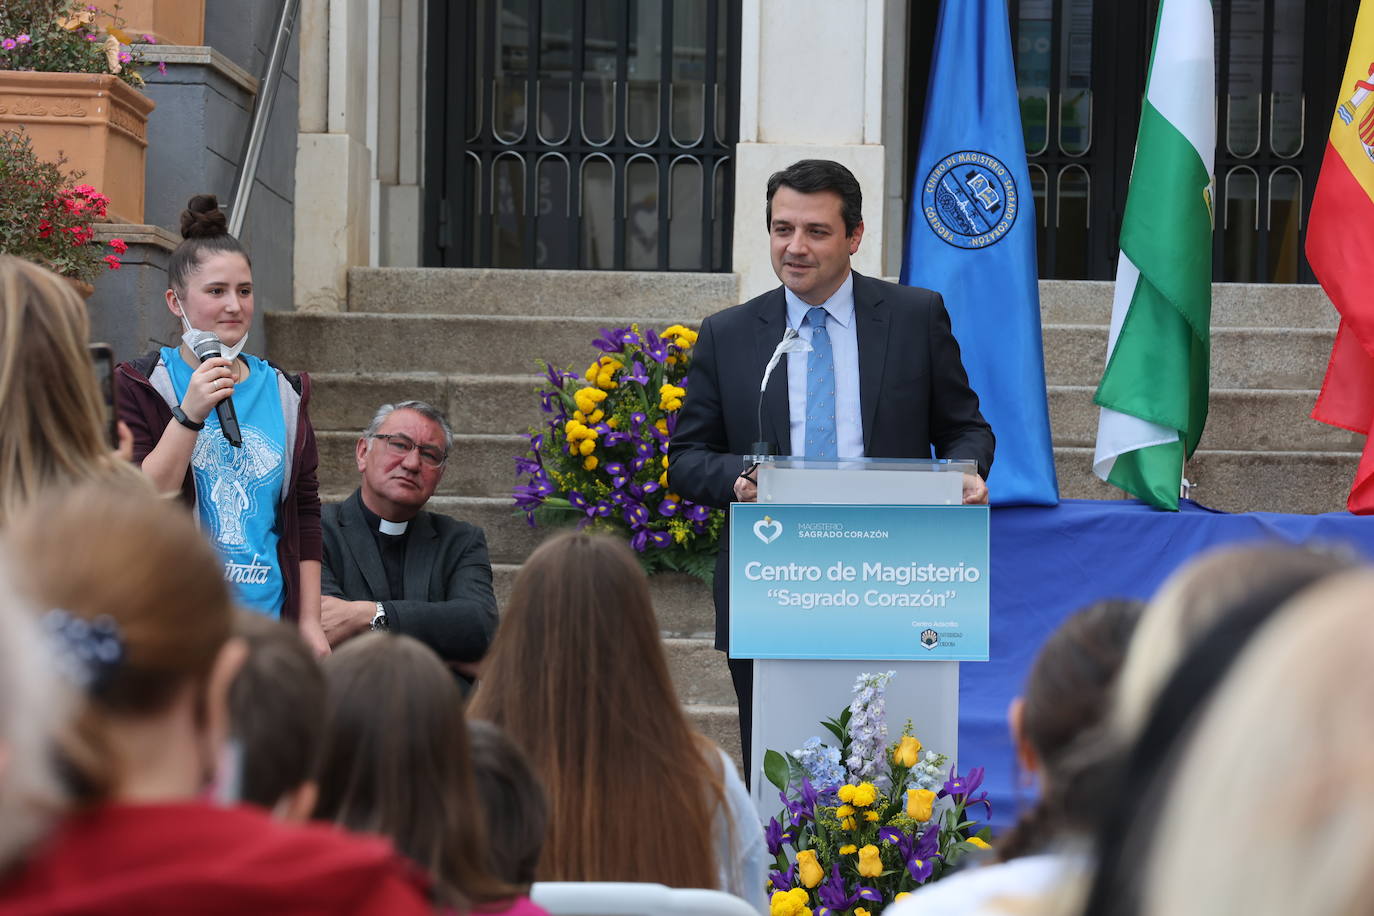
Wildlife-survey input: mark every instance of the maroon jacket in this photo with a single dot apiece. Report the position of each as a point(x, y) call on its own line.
point(143, 389)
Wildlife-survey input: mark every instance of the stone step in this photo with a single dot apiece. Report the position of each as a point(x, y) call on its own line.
point(1276, 358)
point(473, 403)
point(481, 465)
point(1237, 419)
point(699, 672)
point(682, 603)
point(1235, 481)
point(1282, 358)
point(665, 297)
point(1234, 305)
point(720, 724)
point(670, 297)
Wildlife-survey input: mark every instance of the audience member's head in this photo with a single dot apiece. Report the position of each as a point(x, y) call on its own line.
point(146, 623)
point(517, 812)
point(1190, 601)
point(395, 762)
point(1181, 691)
point(1068, 692)
point(51, 409)
point(277, 709)
point(1280, 763)
point(577, 678)
point(32, 700)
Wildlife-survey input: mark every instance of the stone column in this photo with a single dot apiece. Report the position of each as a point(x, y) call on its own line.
point(811, 87)
point(333, 161)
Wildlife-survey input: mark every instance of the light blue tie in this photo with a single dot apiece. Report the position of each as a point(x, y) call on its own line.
point(820, 390)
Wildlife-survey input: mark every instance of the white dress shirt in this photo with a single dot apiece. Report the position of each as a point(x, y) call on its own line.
point(844, 343)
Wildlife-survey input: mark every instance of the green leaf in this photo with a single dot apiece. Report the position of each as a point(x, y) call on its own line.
point(834, 728)
point(776, 769)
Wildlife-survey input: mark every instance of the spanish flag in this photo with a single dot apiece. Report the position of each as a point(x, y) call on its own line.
point(1340, 248)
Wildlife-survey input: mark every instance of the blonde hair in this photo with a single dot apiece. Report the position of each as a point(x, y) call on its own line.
point(51, 415)
point(1189, 602)
point(1279, 772)
point(33, 704)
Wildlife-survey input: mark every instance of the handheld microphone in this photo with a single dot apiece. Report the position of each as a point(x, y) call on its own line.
point(791, 342)
point(207, 346)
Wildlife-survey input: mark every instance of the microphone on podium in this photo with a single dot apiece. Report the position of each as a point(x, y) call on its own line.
point(791, 343)
point(206, 345)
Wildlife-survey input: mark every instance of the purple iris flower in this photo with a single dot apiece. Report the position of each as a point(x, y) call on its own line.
point(661, 539)
point(651, 486)
point(640, 540)
point(637, 420)
point(577, 499)
point(918, 855)
point(613, 341)
point(783, 880)
point(920, 868)
point(525, 465)
point(668, 508)
point(615, 438)
point(775, 835)
point(636, 374)
point(962, 788)
point(637, 464)
point(601, 509)
point(655, 346)
point(644, 449)
point(636, 515)
point(696, 513)
point(803, 808)
point(832, 894)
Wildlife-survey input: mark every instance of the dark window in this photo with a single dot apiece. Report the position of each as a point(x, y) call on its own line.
point(594, 134)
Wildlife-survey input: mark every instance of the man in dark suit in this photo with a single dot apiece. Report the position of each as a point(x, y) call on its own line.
point(882, 377)
point(391, 565)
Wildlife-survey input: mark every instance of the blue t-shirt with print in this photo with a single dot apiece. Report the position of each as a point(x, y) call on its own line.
point(238, 489)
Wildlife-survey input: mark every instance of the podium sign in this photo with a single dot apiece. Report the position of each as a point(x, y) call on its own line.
point(819, 581)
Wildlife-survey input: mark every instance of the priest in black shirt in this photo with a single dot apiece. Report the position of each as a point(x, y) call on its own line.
point(391, 565)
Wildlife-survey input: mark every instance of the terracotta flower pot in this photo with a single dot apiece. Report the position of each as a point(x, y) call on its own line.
point(97, 121)
point(171, 22)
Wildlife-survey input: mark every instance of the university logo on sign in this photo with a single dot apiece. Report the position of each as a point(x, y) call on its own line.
point(930, 638)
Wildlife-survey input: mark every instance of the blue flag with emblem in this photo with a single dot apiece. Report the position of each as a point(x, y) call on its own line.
point(972, 239)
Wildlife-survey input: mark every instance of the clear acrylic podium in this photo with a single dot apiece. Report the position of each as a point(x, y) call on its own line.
point(793, 696)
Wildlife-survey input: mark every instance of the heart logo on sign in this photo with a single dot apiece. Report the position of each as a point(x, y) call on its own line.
point(768, 530)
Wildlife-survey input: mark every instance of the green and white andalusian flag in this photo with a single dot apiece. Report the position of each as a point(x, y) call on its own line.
point(1153, 393)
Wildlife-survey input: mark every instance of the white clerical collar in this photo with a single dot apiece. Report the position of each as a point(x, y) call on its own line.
point(386, 527)
point(839, 306)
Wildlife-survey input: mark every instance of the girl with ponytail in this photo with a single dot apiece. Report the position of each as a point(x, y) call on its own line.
point(257, 499)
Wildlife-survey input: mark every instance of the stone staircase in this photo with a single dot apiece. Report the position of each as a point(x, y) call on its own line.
point(468, 341)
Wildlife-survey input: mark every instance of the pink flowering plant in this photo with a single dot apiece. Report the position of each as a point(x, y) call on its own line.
point(47, 216)
point(601, 459)
point(59, 36)
point(866, 821)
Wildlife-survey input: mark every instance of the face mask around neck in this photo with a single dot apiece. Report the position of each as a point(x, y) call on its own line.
point(227, 351)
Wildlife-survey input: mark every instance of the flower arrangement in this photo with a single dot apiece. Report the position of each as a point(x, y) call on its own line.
point(46, 217)
point(864, 823)
point(602, 460)
point(59, 36)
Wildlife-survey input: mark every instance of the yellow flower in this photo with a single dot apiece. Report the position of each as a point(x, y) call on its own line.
point(663, 480)
point(979, 842)
point(901, 895)
point(860, 911)
point(808, 869)
point(789, 903)
point(662, 426)
point(844, 810)
point(908, 753)
point(919, 803)
point(846, 793)
point(589, 463)
point(849, 824)
point(665, 462)
point(587, 447)
point(613, 423)
point(848, 849)
point(870, 866)
point(670, 397)
point(869, 816)
point(865, 794)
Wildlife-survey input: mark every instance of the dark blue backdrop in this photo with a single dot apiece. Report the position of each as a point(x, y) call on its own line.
point(1048, 562)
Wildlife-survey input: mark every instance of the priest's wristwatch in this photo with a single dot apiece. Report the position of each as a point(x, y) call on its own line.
point(379, 619)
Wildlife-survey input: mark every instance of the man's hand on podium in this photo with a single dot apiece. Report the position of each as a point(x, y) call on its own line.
point(746, 490)
point(975, 491)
